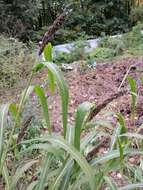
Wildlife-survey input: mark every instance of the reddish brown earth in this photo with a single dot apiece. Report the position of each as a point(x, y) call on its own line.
point(95, 86)
point(98, 86)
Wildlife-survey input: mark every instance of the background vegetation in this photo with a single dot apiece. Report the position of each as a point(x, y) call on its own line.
point(29, 19)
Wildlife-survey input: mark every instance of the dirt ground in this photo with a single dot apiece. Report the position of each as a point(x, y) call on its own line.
point(98, 86)
point(93, 85)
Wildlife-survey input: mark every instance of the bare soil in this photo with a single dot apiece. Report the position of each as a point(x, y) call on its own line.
point(98, 86)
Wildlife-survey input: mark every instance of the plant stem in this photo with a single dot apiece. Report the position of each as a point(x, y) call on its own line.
point(16, 122)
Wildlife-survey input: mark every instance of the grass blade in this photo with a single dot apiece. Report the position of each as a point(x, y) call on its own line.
point(44, 172)
point(115, 137)
point(121, 150)
point(43, 100)
point(48, 57)
point(63, 171)
point(123, 127)
point(87, 139)
point(114, 154)
point(63, 91)
point(3, 124)
point(133, 87)
point(32, 185)
point(25, 95)
point(82, 113)
point(132, 186)
point(110, 183)
point(73, 153)
point(132, 135)
point(70, 134)
point(48, 52)
point(65, 182)
point(46, 147)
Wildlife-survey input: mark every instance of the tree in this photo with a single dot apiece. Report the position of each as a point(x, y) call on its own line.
point(18, 18)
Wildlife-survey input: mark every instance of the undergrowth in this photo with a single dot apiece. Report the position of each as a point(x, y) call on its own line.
point(128, 44)
point(67, 161)
point(15, 62)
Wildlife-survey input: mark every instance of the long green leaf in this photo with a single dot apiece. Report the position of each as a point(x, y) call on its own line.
point(25, 95)
point(115, 137)
point(121, 150)
point(63, 91)
point(132, 186)
point(48, 57)
point(110, 183)
point(133, 87)
point(43, 100)
point(114, 154)
point(37, 67)
point(82, 112)
point(123, 127)
point(48, 52)
point(51, 79)
point(141, 80)
point(74, 154)
point(63, 171)
point(70, 134)
point(132, 135)
point(3, 124)
point(65, 182)
point(46, 147)
point(44, 172)
point(88, 138)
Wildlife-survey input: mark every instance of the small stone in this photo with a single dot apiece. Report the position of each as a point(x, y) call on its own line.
point(132, 160)
point(119, 175)
point(101, 150)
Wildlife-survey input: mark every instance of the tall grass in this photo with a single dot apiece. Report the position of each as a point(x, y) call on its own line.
point(61, 161)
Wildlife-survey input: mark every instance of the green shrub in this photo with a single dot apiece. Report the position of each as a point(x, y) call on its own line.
point(133, 38)
point(137, 15)
point(15, 62)
point(114, 43)
point(77, 53)
point(102, 54)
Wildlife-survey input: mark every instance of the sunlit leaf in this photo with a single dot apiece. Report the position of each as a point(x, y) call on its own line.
point(82, 113)
point(48, 57)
